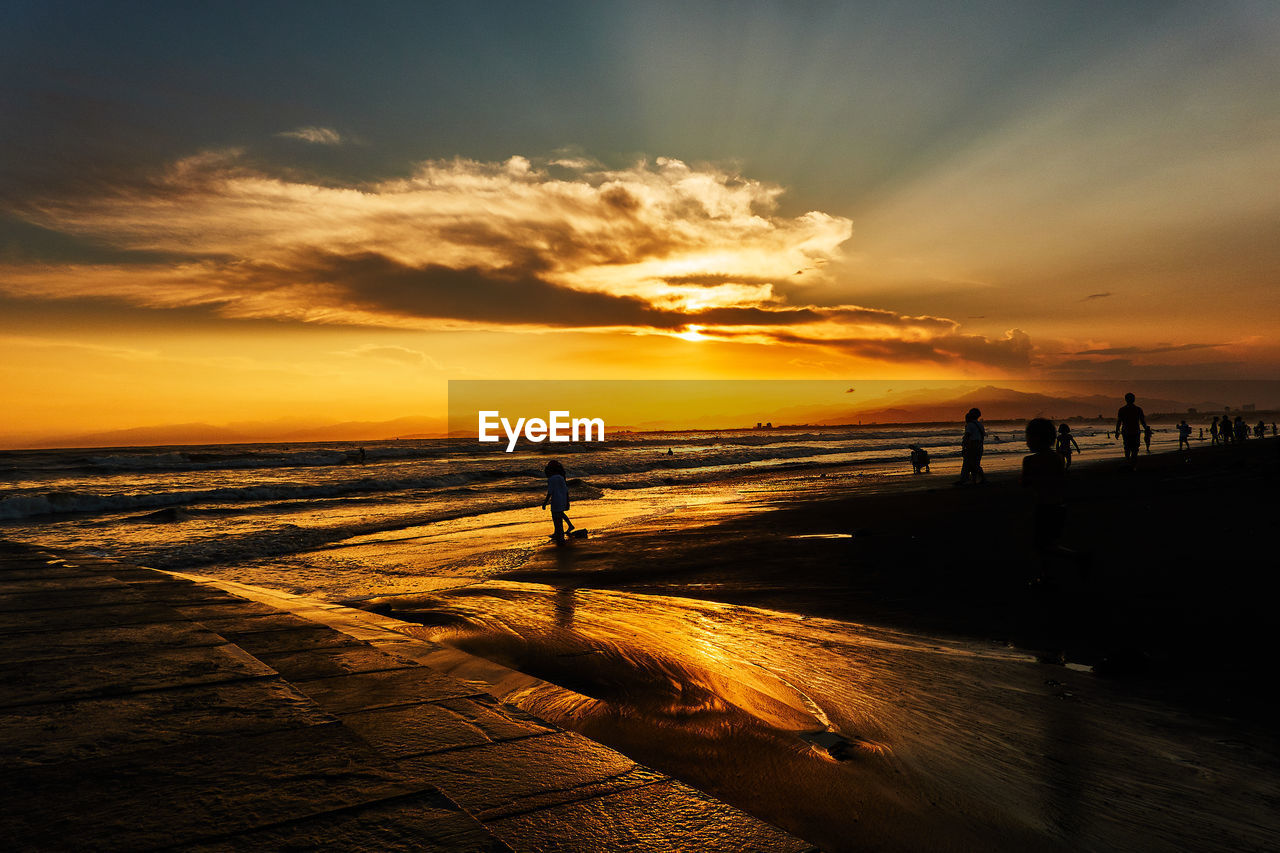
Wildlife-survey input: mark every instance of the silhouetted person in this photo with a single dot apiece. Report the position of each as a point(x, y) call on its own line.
point(1213, 430)
point(558, 497)
point(362, 455)
point(1184, 435)
point(1065, 442)
point(1130, 425)
point(919, 459)
point(1260, 431)
point(1225, 430)
point(971, 449)
point(1241, 430)
point(1273, 431)
point(1044, 473)
point(1146, 436)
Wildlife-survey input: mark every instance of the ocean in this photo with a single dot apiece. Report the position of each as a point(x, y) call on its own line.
point(279, 514)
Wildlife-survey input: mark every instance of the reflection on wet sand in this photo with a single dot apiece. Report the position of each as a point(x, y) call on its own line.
point(851, 736)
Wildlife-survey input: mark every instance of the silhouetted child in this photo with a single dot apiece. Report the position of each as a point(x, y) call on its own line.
point(1146, 436)
point(558, 497)
point(1045, 475)
point(919, 459)
point(1065, 442)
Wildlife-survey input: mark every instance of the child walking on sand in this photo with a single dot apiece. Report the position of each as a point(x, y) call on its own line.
point(1065, 442)
point(558, 497)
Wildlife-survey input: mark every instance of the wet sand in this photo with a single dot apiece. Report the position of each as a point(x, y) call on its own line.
point(882, 690)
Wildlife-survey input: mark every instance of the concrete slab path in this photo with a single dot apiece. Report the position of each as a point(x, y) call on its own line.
point(142, 710)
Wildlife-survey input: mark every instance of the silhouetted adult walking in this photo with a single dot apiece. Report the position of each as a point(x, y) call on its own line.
point(1131, 422)
point(971, 449)
point(1184, 435)
point(1213, 430)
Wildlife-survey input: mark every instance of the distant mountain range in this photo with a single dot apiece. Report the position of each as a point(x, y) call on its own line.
point(930, 405)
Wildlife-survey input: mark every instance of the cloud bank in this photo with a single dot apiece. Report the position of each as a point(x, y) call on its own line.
point(659, 247)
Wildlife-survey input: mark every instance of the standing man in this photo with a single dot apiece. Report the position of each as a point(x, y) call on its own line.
point(1130, 425)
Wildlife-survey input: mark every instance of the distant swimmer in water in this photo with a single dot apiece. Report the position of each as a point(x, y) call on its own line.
point(1065, 442)
point(1131, 422)
point(558, 497)
point(670, 452)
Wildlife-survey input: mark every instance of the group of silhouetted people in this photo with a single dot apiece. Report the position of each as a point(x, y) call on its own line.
point(1227, 431)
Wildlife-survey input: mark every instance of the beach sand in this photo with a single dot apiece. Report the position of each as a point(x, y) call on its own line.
point(880, 671)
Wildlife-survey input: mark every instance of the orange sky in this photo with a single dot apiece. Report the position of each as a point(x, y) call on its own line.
point(1113, 219)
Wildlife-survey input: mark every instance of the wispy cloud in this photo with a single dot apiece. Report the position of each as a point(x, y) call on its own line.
point(400, 355)
point(314, 135)
point(1093, 296)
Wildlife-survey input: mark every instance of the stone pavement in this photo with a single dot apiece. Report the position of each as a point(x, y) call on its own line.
point(140, 710)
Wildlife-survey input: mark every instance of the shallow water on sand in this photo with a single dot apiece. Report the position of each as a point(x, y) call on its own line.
point(858, 737)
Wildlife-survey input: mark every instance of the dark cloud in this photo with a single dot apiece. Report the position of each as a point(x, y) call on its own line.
point(1013, 350)
point(1145, 350)
point(511, 296)
point(716, 279)
point(1102, 295)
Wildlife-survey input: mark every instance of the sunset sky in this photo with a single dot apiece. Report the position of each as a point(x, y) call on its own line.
point(322, 212)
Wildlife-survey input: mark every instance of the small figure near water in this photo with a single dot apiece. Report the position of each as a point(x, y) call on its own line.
point(1241, 430)
point(971, 449)
point(1065, 442)
point(1146, 436)
point(919, 459)
point(1131, 423)
point(1184, 435)
point(1213, 430)
point(1260, 431)
point(558, 497)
